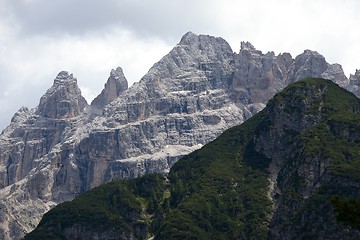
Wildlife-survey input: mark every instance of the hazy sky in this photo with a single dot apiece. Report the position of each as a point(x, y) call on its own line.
point(40, 38)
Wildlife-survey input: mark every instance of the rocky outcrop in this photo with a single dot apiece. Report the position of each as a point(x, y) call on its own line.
point(311, 64)
point(354, 83)
point(283, 174)
point(27, 150)
point(258, 76)
point(63, 99)
point(63, 147)
point(115, 85)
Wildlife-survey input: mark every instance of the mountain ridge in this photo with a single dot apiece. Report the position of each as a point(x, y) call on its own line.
point(227, 189)
point(199, 89)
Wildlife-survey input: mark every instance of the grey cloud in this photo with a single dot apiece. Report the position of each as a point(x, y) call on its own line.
point(63, 16)
point(145, 18)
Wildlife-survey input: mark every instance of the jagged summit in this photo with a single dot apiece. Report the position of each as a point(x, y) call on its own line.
point(355, 78)
point(289, 172)
point(188, 38)
point(310, 52)
point(117, 73)
point(199, 89)
point(63, 78)
point(247, 46)
point(64, 75)
point(115, 85)
point(63, 99)
point(354, 83)
point(203, 42)
point(311, 64)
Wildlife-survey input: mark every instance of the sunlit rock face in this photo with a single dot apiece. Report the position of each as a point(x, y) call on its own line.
point(115, 85)
point(63, 99)
point(64, 146)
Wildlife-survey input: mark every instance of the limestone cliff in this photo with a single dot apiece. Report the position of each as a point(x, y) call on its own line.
point(63, 147)
point(354, 83)
point(292, 171)
point(115, 85)
point(63, 99)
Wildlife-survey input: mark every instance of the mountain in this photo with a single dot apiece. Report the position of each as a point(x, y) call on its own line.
point(64, 146)
point(292, 171)
point(115, 85)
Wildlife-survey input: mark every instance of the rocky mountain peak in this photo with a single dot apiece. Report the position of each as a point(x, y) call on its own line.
point(63, 99)
point(188, 38)
point(115, 85)
point(247, 46)
point(197, 63)
point(63, 75)
point(261, 193)
point(205, 43)
point(311, 64)
point(64, 78)
point(308, 55)
point(309, 58)
point(117, 73)
point(355, 77)
point(195, 92)
point(335, 73)
point(354, 83)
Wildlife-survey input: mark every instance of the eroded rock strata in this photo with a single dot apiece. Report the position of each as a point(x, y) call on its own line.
point(64, 146)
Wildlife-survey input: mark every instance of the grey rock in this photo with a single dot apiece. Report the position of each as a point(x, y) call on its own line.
point(311, 64)
point(115, 85)
point(51, 153)
point(63, 99)
point(257, 76)
point(335, 73)
point(354, 83)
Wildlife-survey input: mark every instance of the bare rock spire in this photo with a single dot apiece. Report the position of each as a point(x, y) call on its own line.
point(115, 85)
point(63, 99)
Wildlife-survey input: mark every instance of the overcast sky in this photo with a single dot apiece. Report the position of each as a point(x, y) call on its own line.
point(40, 38)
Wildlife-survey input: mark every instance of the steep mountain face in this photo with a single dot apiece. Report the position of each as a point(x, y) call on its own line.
point(115, 85)
point(316, 159)
point(29, 145)
point(354, 83)
point(291, 171)
point(64, 147)
point(258, 76)
point(63, 99)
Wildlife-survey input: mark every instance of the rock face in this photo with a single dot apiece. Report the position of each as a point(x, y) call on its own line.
point(200, 88)
point(27, 150)
point(289, 172)
point(115, 85)
point(306, 170)
point(354, 83)
point(63, 99)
